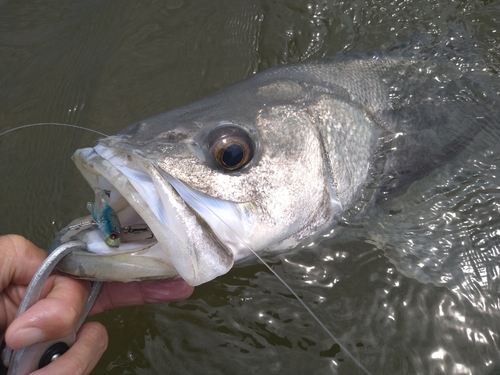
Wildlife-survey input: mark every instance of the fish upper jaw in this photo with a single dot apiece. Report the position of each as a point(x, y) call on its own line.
point(196, 237)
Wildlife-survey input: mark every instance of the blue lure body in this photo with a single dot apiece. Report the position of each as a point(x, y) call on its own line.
point(106, 219)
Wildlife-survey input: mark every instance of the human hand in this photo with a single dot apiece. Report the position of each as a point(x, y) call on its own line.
point(63, 299)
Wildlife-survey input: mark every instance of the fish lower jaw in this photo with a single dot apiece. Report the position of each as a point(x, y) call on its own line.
point(138, 258)
point(166, 229)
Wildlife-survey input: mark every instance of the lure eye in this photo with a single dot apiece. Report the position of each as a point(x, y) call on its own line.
point(232, 148)
point(114, 236)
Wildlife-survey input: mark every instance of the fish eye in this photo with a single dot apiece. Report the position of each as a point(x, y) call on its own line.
point(232, 148)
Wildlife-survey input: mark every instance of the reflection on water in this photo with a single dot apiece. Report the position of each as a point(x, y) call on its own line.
point(411, 287)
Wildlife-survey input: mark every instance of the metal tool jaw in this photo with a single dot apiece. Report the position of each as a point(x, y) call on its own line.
point(29, 359)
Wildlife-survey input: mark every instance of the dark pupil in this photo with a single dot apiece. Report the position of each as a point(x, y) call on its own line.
point(233, 155)
point(113, 235)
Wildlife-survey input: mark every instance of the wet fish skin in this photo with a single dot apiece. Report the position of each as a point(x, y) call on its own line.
point(319, 131)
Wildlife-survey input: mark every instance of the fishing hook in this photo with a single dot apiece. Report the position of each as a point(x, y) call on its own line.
point(131, 230)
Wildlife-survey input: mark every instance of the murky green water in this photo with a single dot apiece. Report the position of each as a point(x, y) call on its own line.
point(103, 65)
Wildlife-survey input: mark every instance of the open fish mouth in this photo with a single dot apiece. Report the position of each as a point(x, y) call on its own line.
point(168, 229)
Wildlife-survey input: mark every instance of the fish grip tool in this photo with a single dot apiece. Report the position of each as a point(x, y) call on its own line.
point(31, 358)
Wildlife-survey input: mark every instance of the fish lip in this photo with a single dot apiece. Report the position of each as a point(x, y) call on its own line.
point(105, 166)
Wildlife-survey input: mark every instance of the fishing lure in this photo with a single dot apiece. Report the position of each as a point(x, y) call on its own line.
point(106, 218)
point(109, 224)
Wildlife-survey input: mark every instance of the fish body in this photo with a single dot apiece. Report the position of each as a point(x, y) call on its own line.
point(275, 160)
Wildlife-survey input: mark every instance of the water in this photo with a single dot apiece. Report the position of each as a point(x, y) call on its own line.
point(411, 288)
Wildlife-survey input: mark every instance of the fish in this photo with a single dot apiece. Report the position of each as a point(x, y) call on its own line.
point(277, 160)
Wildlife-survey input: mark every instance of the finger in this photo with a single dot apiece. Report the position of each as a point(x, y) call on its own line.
point(52, 317)
point(117, 294)
point(16, 250)
point(81, 358)
point(19, 261)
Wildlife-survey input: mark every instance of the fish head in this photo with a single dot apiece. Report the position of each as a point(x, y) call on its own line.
point(239, 171)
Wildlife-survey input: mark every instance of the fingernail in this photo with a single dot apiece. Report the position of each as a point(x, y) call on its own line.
point(27, 336)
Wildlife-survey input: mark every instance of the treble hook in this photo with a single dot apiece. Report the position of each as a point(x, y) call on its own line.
point(131, 230)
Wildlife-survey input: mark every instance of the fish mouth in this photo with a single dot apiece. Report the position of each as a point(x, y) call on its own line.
point(169, 229)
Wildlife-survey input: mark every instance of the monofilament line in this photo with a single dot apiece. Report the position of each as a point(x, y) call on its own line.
point(320, 323)
point(51, 124)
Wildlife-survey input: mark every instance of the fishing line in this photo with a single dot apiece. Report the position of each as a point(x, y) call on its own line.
point(307, 308)
point(320, 323)
point(51, 124)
